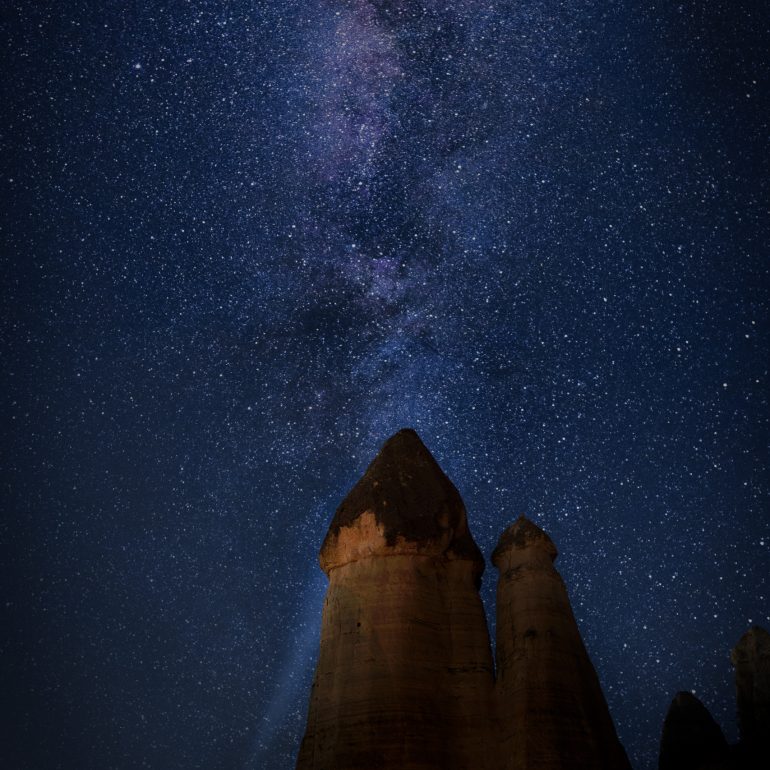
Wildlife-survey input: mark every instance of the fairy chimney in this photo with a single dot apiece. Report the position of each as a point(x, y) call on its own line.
point(552, 712)
point(405, 674)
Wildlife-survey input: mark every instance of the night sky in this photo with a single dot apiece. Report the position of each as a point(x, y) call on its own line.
point(245, 242)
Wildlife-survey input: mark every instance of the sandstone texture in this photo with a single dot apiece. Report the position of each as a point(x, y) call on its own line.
point(405, 678)
point(552, 712)
point(691, 739)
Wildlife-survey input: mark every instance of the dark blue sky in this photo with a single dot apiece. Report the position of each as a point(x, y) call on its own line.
point(243, 243)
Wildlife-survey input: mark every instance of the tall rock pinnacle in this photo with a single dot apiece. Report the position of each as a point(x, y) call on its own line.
point(552, 710)
point(405, 675)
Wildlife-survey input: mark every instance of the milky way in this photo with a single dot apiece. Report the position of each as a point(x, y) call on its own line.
point(243, 243)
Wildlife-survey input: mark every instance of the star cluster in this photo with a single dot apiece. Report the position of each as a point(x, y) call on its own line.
point(243, 243)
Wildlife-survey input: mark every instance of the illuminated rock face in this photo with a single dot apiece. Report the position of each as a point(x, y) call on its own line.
point(405, 678)
point(552, 711)
point(405, 675)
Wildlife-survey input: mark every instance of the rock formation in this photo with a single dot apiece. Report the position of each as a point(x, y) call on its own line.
point(751, 658)
point(691, 738)
point(405, 674)
point(405, 678)
point(552, 710)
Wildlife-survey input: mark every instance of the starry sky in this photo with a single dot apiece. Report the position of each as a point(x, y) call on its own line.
point(245, 242)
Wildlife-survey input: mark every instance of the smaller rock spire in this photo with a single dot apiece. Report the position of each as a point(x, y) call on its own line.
point(552, 711)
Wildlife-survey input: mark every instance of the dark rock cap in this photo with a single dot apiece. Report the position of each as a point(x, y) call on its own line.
point(411, 497)
point(524, 534)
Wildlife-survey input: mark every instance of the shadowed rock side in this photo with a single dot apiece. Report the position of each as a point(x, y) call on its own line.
point(751, 658)
point(552, 711)
point(405, 675)
point(691, 739)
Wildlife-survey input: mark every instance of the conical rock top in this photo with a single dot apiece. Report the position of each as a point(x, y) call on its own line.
point(404, 503)
point(523, 534)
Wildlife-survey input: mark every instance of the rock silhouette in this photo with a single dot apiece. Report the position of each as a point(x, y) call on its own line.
point(552, 710)
point(751, 658)
point(691, 738)
point(405, 678)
